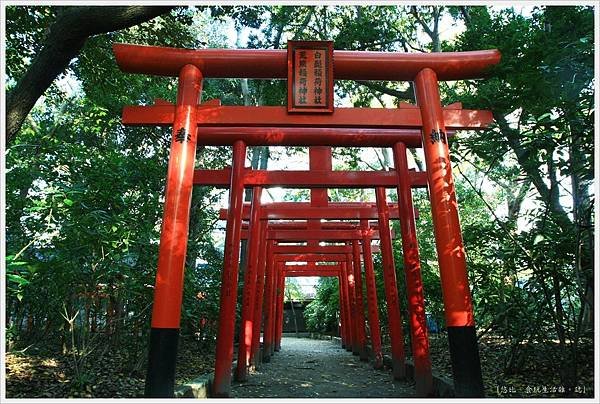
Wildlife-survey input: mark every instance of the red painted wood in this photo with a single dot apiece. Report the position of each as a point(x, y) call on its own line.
point(304, 249)
point(361, 118)
point(414, 284)
point(309, 257)
point(302, 225)
point(168, 290)
point(342, 315)
point(229, 280)
point(306, 178)
point(280, 298)
point(304, 136)
point(353, 303)
point(444, 209)
point(265, 253)
point(348, 305)
point(268, 306)
point(310, 266)
point(249, 290)
point(331, 212)
point(261, 63)
point(322, 235)
point(391, 288)
point(318, 273)
point(360, 307)
point(372, 304)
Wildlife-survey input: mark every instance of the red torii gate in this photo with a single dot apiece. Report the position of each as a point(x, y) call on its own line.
point(320, 158)
point(227, 125)
point(329, 234)
point(351, 300)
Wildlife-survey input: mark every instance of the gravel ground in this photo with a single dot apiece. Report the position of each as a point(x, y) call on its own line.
point(319, 368)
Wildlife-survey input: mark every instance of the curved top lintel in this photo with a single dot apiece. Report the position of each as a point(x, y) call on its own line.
point(272, 63)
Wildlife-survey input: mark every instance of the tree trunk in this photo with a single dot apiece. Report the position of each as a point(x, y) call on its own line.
point(67, 35)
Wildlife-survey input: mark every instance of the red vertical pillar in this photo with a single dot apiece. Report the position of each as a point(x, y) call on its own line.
point(268, 306)
point(353, 304)
point(280, 297)
point(347, 306)
point(458, 306)
point(166, 310)
point(229, 279)
point(342, 322)
point(343, 307)
point(412, 271)
point(265, 251)
point(346, 321)
point(372, 306)
point(249, 291)
point(275, 306)
point(391, 287)
point(360, 308)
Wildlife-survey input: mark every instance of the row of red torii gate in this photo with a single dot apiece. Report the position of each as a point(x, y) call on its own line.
point(315, 238)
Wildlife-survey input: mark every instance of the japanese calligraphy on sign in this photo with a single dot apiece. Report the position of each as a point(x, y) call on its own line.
point(310, 76)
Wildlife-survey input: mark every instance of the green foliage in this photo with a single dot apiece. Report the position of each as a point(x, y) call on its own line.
point(534, 277)
point(84, 193)
point(322, 314)
point(26, 28)
point(292, 290)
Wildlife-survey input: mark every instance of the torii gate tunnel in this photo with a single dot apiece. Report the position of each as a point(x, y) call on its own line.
point(340, 249)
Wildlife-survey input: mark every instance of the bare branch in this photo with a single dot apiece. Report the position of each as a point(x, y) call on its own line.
point(404, 95)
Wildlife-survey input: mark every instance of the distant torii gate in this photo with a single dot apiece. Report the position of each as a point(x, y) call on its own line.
point(320, 161)
point(341, 258)
point(424, 126)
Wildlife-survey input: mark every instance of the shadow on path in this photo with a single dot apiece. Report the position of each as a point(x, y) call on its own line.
point(319, 368)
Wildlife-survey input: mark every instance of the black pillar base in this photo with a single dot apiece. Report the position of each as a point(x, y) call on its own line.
point(162, 356)
point(266, 353)
point(466, 366)
point(363, 354)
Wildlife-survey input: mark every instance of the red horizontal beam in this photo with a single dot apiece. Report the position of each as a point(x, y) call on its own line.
point(309, 179)
point(309, 136)
point(310, 267)
point(303, 211)
point(325, 213)
point(243, 116)
point(290, 236)
point(310, 257)
point(312, 273)
point(302, 205)
point(303, 225)
point(324, 235)
point(321, 235)
point(260, 63)
point(307, 249)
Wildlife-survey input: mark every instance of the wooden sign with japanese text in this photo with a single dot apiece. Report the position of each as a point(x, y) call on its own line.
point(310, 76)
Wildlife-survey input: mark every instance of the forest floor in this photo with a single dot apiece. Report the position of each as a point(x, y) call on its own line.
point(39, 371)
point(537, 378)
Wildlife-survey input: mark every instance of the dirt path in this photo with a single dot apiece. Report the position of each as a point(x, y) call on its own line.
point(317, 368)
